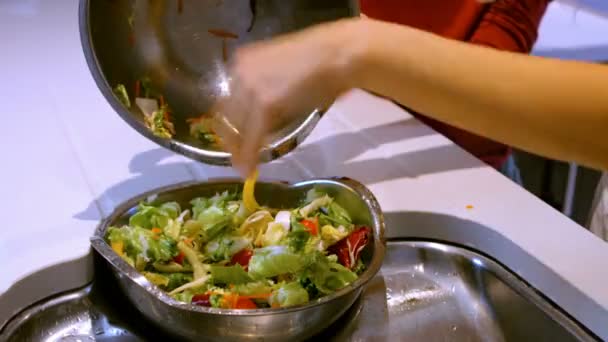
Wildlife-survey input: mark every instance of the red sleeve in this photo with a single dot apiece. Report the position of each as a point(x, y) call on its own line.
point(510, 25)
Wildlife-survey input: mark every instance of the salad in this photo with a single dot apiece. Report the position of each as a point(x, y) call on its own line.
point(157, 113)
point(228, 252)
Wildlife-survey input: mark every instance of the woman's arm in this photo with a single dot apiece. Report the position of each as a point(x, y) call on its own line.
point(555, 108)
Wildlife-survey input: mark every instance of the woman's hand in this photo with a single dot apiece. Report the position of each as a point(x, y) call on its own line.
point(274, 81)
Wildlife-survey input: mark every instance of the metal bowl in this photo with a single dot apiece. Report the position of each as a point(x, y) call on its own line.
point(170, 43)
point(284, 324)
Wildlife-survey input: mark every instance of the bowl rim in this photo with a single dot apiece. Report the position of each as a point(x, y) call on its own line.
point(271, 151)
point(118, 264)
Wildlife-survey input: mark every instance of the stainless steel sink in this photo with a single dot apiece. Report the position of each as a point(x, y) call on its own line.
point(426, 291)
point(430, 291)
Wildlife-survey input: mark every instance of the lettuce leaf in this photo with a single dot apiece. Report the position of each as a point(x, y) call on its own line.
point(159, 124)
point(298, 237)
point(149, 216)
point(331, 235)
point(177, 279)
point(274, 234)
point(169, 281)
point(229, 275)
point(333, 214)
point(329, 212)
point(253, 288)
point(215, 214)
point(273, 261)
point(224, 247)
point(121, 93)
point(327, 274)
point(185, 296)
point(142, 242)
point(290, 294)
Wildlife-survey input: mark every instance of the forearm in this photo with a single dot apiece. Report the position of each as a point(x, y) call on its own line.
point(555, 108)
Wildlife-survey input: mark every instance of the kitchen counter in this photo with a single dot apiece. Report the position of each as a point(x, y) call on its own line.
point(574, 29)
point(69, 160)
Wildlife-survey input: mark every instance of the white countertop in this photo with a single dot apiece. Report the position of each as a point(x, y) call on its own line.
point(69, 160)
point(574, 29)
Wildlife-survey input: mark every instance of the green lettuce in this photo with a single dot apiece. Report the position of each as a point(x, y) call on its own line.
point(274, 234)
point(253, 288)
point(224, 247)
point(149, 216)
point(214, 214)
point(159, 125)
point(328, 211)
point(177, 279)
point(298, 237)
point(169, 281)
point(229, 275)
point(121, 93)
point(327, 274)
point(333, 214)
point(185, 296)
point(290, 294)
point(142, 242)
point(273, 261)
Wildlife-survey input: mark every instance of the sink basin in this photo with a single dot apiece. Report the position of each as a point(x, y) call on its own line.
point(431, 291)
point(425, 291)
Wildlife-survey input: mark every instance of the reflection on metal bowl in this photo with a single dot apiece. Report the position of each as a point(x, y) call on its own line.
point(180, 49)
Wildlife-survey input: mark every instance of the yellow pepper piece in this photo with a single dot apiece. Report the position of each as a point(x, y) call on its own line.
point(118, 247)
point(248, 193)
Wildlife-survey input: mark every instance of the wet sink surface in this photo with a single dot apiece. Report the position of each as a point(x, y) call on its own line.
point(426, 291)
point(436, 292)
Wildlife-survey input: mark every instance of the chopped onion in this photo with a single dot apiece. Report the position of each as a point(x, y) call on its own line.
point(284, 218)
point(147, 106)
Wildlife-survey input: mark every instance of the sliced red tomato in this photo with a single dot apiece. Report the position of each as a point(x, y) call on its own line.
point(245, 303)
point(311, 225)
point(202, 299)
point(180, 258)
point(349, 248)
point(242, 258)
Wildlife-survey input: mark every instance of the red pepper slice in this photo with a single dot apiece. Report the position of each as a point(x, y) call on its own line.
point(242, 258)
point(311, 226)
point(223, 33)
point(349, 248)
point(245, 303)
point(202, 299)
point(180, 258)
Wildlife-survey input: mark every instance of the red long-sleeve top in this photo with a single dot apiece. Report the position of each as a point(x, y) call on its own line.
point(510, 25)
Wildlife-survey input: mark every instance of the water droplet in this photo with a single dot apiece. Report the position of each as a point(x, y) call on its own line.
point(454, 328)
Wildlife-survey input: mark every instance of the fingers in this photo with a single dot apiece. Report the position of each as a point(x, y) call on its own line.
point(246, 160)
point(241, 123)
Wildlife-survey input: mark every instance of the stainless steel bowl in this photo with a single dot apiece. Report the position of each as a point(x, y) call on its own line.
point(285, 324)
point(169, 42)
